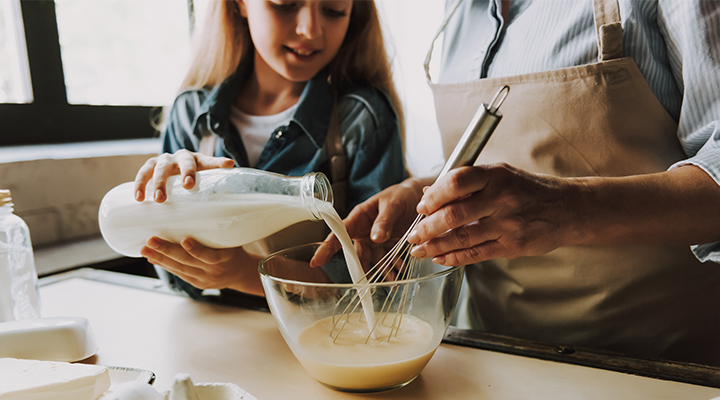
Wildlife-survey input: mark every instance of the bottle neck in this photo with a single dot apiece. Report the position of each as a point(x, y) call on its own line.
point(6, 209)
point(316, 193)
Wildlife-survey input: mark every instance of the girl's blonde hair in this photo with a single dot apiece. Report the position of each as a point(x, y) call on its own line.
point(361, 61)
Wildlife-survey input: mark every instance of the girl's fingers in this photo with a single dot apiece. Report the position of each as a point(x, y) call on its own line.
point(187, 164)
point(164, 168)
point(143, 176)
point(182, 270)
point(153, 175)
point(190, 163)
point(205, 254)
point(209, 162)
point(170, 251)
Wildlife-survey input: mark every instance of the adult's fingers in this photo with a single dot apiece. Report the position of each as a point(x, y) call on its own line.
point(325, 251)
point(358, 225)
point(482, 252)
point(454, 215)
point(460, 239)
point(386, 221)
point(456, 184)
point(377, 217)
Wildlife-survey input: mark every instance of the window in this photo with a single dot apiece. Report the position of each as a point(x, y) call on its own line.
point(122, 52)
point(14, 70)
point(93, 69)
point(410, 26)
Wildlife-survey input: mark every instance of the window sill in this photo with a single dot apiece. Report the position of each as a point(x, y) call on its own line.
point(57, 189)
point(10, 154)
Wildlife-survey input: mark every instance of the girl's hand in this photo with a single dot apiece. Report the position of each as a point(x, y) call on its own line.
point(372, 223)
point(484, 212)
point(204, 267)
point(183, 162)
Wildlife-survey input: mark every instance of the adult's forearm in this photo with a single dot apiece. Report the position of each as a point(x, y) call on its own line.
point(676, 207)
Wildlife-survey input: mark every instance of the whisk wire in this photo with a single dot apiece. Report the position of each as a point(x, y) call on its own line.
point(397, 260)
point(354, 303)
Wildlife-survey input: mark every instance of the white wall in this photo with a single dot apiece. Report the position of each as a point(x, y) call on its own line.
point(410, 26)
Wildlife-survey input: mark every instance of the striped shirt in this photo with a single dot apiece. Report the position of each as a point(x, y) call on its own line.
point(675, 43)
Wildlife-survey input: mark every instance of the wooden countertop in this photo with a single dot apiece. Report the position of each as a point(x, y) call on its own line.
point(138, 324)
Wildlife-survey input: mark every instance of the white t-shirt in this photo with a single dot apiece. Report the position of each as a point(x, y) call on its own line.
point(255, 130)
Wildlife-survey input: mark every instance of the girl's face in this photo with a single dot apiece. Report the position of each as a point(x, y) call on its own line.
point(296, 39)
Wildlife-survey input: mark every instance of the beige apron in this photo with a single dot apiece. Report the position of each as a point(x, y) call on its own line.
point(591, 120)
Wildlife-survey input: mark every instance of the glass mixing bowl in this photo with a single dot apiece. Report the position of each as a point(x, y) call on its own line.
point(323, 321)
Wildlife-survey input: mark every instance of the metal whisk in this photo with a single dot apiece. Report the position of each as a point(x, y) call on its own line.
point(398, 263)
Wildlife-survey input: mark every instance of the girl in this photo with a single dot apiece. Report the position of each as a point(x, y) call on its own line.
point(269, 80)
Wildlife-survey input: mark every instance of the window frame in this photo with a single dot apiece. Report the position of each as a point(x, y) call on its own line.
point(49, 118)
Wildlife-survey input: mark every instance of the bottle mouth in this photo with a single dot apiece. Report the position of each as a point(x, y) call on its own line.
point(5, 198)
point(314, 186)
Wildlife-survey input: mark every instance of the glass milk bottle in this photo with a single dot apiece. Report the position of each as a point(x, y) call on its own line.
point(19, 298)
point(228, 207)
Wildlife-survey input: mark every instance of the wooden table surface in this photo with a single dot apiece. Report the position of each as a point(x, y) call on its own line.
point(170, 334)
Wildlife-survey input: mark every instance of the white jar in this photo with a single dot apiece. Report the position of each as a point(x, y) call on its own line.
point(19, 297)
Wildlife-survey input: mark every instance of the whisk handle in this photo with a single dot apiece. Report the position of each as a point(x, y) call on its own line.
point(477, 133)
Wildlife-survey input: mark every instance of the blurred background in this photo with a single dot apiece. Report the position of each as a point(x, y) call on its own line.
point(82, 80)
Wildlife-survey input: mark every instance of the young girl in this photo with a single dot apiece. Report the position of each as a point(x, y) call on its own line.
point(269, 79)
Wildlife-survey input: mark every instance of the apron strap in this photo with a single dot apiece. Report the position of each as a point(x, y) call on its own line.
point(440, 30)
point(609, 29)
point(207, 144)
point(338, 162)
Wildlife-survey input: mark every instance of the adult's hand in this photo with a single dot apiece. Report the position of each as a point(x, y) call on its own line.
point(483, 212)
point(204, 267)
point(183, 162)
point(490, 211)
point(374, 222)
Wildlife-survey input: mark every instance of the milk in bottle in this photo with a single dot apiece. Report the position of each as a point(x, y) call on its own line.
point(226, 208)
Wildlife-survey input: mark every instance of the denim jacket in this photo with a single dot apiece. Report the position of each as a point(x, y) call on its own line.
point(368, 125)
